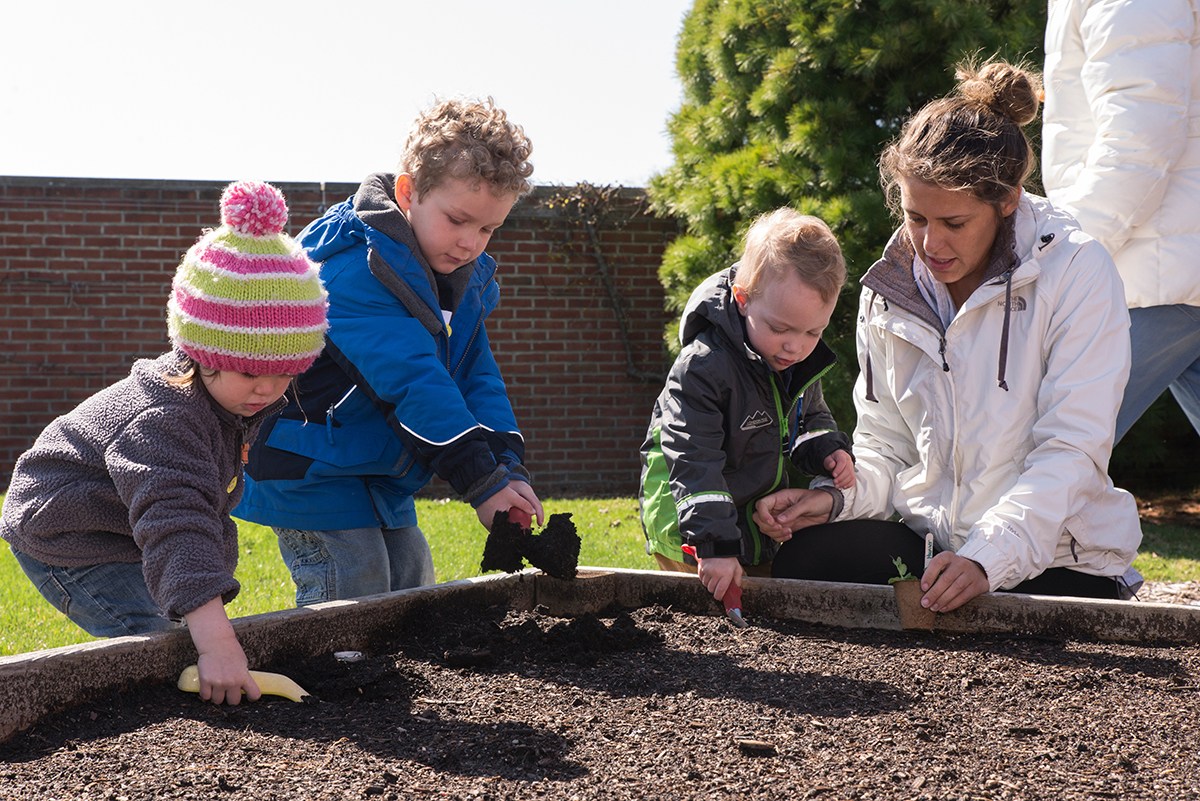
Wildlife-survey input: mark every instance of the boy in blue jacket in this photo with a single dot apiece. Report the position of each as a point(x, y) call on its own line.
point(407, 386)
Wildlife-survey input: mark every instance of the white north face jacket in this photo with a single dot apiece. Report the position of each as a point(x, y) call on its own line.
point(995, 433)
point(1121, 136)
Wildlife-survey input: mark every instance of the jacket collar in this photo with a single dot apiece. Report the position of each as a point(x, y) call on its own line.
point(892, 276)
point(375, 204)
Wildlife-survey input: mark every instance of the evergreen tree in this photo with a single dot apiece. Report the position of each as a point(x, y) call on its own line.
point(790, 102)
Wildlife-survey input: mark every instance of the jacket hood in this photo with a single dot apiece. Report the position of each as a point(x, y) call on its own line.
point(345, 225)
point(375, 205)
point(1034, 227)
point(337, 230)
point(711, 305)
point(372, 218)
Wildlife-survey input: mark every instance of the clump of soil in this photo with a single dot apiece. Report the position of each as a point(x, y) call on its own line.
point(652, 703)
point(519, 636)
point(554, 551)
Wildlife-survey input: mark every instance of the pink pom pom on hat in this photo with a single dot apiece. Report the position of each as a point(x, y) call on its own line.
point(245, 297)
point(254, 209)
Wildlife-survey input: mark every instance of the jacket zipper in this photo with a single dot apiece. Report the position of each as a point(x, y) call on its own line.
point(785, 440)
point(470, 343)
point(474, 333)
point(333, 407)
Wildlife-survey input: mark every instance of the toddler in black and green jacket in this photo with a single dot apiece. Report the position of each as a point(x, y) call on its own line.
point(742, 410)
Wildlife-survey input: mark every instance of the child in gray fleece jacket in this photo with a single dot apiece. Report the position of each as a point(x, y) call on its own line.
point(119, 513)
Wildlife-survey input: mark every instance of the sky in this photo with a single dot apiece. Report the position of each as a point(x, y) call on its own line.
point(298, 90)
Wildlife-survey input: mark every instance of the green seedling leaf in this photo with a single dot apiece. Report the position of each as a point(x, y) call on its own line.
point(902, 569)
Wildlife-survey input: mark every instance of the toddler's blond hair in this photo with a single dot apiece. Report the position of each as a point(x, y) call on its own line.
point(784, 240)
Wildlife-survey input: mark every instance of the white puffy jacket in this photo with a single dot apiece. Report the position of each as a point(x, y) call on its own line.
point(1121, 136)
point(1014, 478)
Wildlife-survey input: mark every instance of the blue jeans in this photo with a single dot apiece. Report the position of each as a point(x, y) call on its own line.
point(351, 563)
point(105, 600)
point(1166, 353)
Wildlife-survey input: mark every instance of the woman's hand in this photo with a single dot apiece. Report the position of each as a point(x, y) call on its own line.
point(779, 514)
point(950, 581)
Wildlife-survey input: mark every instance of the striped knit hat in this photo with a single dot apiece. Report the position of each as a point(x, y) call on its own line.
point(246, 297)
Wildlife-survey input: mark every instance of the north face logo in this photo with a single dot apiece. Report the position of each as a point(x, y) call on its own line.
point(759, 419)
point(1015, 305)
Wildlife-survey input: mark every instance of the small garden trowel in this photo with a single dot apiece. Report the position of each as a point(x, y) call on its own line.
point(268, 683)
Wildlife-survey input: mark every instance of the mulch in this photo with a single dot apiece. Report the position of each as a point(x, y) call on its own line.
point(485, 703)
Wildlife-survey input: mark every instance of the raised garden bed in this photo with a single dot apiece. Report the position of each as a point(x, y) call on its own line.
point(630, 685)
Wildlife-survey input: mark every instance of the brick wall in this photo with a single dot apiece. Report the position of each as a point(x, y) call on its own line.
point(85, 267)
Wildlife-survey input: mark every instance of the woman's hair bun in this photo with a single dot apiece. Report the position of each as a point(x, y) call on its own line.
point(1012, 91)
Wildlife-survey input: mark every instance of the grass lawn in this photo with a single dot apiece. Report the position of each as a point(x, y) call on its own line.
point(1169, 553)
point(608, 527)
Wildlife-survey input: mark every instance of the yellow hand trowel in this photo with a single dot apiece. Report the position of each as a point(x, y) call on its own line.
point(269, 683)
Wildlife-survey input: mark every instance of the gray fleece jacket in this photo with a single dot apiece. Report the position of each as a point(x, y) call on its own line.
point(142, 471)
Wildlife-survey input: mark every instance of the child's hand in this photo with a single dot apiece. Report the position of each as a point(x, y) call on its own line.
point(718, 574)
point(840, 466)
point(518, 494)
point(225, 676)
point(224, 673)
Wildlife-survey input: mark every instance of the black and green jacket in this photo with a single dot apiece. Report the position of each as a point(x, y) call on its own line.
point(726, 431)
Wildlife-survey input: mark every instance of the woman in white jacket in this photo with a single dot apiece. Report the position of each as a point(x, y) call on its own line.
point(1121, 151)
point(993, 346)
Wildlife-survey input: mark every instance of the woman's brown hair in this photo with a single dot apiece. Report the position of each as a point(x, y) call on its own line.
point(971, 140)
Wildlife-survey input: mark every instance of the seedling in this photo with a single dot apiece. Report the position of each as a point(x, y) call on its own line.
point(902, 569)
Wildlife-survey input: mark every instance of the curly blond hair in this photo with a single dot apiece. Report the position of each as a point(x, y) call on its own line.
point(971, 140)
point(469, 140)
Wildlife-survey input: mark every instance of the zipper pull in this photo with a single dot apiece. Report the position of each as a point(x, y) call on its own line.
point(333, 408)
point(942, 353)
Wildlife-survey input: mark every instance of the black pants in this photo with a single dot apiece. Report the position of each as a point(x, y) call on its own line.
point(861, 552)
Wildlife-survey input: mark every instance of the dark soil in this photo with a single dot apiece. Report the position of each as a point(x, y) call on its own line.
point(486, 704)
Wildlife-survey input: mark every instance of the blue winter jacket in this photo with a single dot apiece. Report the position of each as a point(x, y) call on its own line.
point(402, 391)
